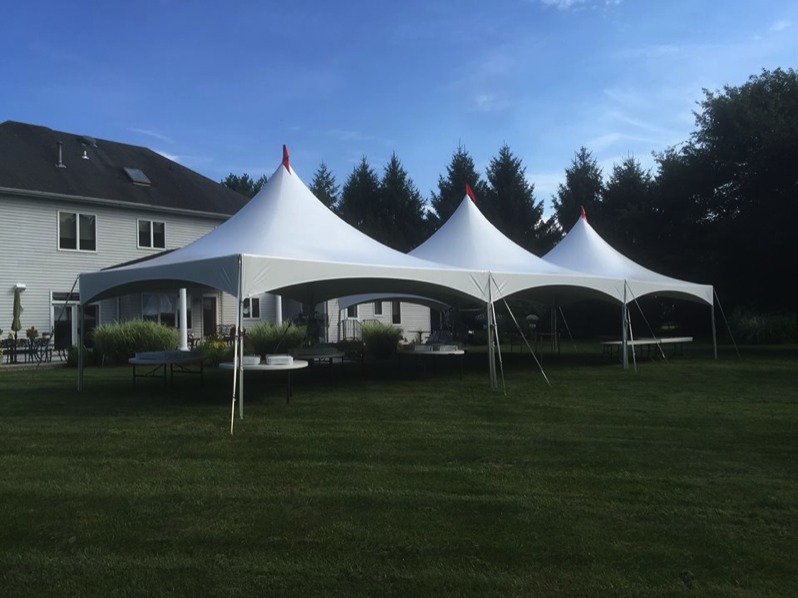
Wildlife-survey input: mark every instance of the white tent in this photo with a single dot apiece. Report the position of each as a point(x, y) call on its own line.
point(468, 240)
point(285, 241)
point(583, 250)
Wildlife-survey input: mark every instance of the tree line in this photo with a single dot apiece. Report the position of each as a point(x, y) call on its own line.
point(719, 208)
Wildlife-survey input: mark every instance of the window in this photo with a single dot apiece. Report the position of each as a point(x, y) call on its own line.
point(152, 234)
point(396, 313)
point(77, 231)
point(351, 311)
point(378, 308)
point(252, 307)
point(161, 308)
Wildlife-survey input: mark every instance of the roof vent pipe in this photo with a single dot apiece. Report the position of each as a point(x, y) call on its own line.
point(60, 163)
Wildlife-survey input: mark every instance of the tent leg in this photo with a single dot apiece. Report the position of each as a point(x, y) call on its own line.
point(624, 333)
point(81, 350)
point(714, 334)
point(491, 350)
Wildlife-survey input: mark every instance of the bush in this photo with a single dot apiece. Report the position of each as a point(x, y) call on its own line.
point(762, 328)
point(352, 349)
point(115, 343)
point(380, 340)
point(216, 351)
point(266, 338)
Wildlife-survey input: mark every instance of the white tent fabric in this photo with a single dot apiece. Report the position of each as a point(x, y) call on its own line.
point(286, 241)
point(583, 250)
point(468, 240)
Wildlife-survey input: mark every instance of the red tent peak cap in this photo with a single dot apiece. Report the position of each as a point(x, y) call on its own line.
point(286, 161)
point(582, 213)
point(470, 193)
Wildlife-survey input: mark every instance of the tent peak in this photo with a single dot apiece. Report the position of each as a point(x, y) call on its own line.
point(582, 213)
point(470, 193)
point(286, 161)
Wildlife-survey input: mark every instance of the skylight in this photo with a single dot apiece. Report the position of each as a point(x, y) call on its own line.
point(137, 176)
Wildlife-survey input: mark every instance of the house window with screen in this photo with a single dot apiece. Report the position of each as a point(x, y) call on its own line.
point(77, 232)
point(378, 308)
point(396, 313)
point(152, 234)
point(252, 307)
point(351, 311)
point(159, 307)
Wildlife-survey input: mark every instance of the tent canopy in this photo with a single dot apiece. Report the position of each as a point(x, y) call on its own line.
point(286, 241)
point(583, 250)
point(468, 240)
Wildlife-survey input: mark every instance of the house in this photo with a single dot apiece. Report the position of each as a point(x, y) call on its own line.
point(71, 203)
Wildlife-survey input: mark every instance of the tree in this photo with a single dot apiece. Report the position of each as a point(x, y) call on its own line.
point(582, 189)
point(625, 218)
point(510, 203)
point(747, 140)
point(403, 214)
point(323, 186)
point(360, 200)
point(451, 189)
point(244, 184)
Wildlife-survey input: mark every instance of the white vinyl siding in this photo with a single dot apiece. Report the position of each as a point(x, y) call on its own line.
point(29, 244)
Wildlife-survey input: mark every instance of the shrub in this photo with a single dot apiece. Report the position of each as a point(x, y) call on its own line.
point(380, 340)
point(115, 343)
point(352, 348)
point(762, 328)
point(216, 351)
point(265, 338)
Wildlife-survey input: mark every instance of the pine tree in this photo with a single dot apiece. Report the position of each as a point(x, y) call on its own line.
point(403, 213)
point(451, 189)
point(244, 184)
point(360, 200)
point(582, 189)
point(510, 202)
point(324, 187)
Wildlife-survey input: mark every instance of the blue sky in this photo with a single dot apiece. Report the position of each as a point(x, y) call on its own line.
point(220, 86)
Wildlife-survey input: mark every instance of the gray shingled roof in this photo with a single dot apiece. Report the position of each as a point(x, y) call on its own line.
point(29, 154)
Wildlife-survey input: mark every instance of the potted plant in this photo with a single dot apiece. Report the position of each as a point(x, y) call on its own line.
point(32, 333)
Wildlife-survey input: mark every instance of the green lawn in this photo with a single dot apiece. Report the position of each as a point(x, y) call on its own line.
point(680, 478)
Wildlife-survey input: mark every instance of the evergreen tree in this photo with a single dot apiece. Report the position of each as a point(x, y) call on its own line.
point(626, 216)
point(324, 187)
point(510, 203)
point(582, 189)
point(451, 189)
point(404, 225)
point(360, 200)
point(244, 184)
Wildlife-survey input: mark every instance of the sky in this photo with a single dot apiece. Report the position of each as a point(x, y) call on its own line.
point(220, 86)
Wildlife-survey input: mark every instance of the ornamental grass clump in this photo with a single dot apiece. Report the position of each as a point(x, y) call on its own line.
point(114, 344)
point(266, 338)
point(380, 340)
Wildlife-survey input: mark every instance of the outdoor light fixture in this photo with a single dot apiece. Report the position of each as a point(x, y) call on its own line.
point(20, 286)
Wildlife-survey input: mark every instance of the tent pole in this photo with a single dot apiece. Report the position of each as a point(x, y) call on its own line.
point(80, 348)
point(624, 323)
point(239, 340)
point(491, 349)
point(714, 334)
point(236, 363)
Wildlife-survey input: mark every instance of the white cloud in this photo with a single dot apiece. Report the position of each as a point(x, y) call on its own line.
point(781, 25)
point(151, 133)
point(578, 4)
